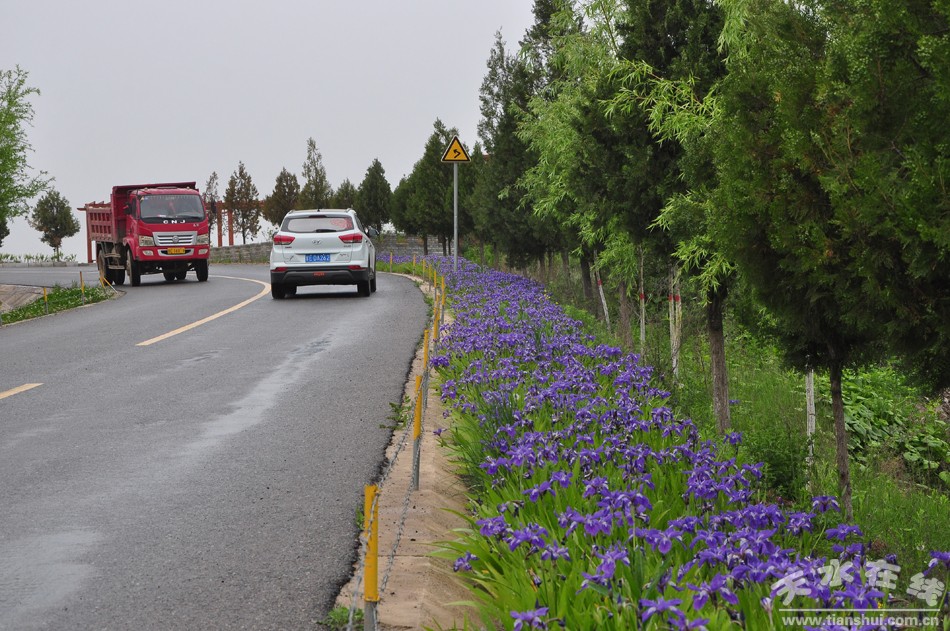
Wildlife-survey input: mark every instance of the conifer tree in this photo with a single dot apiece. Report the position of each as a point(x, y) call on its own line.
point(344, 196)
point(316, 190)
point(430, 191)
point(241, 198)
point(374, 199)
point(212, 200)
point(283, 199)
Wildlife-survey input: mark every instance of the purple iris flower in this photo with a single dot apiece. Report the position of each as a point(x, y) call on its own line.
point(734, 438)
point(719, 585)
point(936, 558)
point(532, 534)
point(562, 477)
point(534, 618)
point(554, 552)
point(464, 562)
point(595, 487)
point(599, 523)
point(843, 531)
point(535, 492)
point(492, 526)
point(658, 606)
point(658, 540)
point(825, 503)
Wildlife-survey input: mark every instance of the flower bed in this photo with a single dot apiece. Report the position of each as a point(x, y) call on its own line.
point(594, 507)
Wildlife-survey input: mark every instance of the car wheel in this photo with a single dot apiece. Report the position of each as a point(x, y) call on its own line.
point(372, 285)
point(363, 288)
point(291, 290)
point(278, 291)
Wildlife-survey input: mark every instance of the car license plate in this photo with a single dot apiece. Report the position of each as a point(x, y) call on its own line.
point(317, 258)
point(176, 250)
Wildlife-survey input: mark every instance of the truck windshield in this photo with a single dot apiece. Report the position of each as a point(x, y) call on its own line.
point(171, 208)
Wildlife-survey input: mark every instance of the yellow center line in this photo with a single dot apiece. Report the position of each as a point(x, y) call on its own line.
point(215, 316)
point(19, 389)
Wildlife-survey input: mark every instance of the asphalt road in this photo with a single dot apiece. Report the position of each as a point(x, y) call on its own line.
point(210, 479)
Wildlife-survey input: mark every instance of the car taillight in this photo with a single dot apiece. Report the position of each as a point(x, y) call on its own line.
point(283, 239)
point(354, 237)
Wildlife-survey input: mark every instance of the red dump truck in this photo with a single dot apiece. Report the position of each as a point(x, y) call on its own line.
point(150, 229)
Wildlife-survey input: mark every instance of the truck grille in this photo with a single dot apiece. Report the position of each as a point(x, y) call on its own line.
point(175, 238)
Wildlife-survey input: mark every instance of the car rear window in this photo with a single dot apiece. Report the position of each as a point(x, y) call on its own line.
point(319, 223)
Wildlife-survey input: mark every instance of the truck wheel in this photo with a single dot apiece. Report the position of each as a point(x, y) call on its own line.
point(132, 269)
point(201, 270)
point(118, 276)
point(181, 275)
point(169, 276)
point(104, 272)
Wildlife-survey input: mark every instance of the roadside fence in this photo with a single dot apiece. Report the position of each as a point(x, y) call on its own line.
point(367, 570)
point(30, 290)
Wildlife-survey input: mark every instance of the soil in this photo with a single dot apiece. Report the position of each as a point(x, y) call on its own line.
point(421, 590)
point(14, 296)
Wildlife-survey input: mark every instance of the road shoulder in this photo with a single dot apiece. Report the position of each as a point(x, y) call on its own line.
point(421, 590)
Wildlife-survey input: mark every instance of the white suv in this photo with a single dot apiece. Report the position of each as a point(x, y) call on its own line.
point(322, 247)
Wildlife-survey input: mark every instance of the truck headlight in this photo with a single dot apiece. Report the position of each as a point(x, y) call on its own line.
point(146, 241)
point(203, 239)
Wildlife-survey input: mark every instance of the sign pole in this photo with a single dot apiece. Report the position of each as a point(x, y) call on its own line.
point(455, 236)
point(455, 153)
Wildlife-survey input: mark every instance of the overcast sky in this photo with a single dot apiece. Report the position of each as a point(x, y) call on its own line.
point(135, 92)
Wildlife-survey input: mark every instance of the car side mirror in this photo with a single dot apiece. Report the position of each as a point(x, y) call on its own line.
point(372, 232)
point(128, 209)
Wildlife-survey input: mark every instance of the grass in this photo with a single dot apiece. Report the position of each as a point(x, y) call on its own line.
point(58, 299)
point(34, 258)
point(339, 619)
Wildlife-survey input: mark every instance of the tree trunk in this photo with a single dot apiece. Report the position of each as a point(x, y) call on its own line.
point(566, 266)
point(603, 298)
point(425, 245)
point(481, 254)
point(676, 324)
point(717, 358)
point(643, 308)
point(626, 317)
point(585, 280)
point(841, 441)
point(810, 419)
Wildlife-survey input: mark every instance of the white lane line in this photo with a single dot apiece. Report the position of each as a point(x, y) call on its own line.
point(215, 316)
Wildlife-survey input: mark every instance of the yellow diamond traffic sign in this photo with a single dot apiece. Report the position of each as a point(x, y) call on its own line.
point(455, 152)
